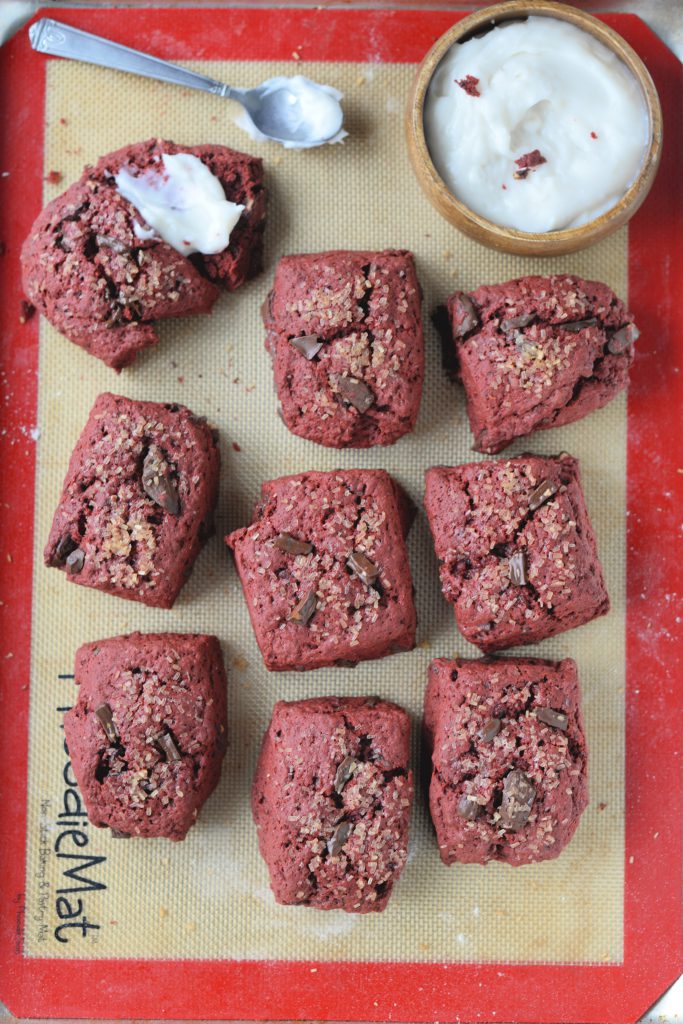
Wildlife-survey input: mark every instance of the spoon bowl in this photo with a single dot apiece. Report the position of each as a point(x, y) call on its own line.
point(295, 112)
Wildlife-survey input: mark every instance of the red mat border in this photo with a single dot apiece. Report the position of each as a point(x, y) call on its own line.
point(35, 987)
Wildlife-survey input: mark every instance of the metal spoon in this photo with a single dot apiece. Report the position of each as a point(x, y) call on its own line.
point(295, 112)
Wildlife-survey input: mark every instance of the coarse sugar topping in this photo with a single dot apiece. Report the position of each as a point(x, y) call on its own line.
point(515, 546)
point(538, 350)
point(153, 764)
point(123, 523)
point(535, 758)
point(137, 474)
point(345, 335)
point(336, 517)
point(347, 840)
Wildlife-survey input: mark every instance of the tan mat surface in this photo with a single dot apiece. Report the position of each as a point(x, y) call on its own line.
point(209, 896)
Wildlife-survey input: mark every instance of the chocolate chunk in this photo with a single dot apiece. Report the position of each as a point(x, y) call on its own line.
point(291, 546)
point(468, 808)
point(267, 307)
point(106, 720)
point(490, 729)
point(344, 773)
point(115, 316)
point(541, 494)
point(464, 314)
point(517, 568)
point(340, 836)
point(75, 561)
point(168, 745)
point(308, 344)
point(523, 343)
point(578, 325)
point(557, 719)
point(518, 797)
point(157, 482)
point(117, 764)
point(115, 834)
point(521, 174)
point(302, 612)
point(514, 323)
point(364, 569)
point(27, 311)
point(66, 545)
point(622, 339)
point(353, 391)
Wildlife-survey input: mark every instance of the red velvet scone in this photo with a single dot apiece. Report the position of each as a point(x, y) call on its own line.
point(537, 353)
point(138, 500)
point(518, 555)
point(509, 761)
point(148, 732)
point(345, 336)
point(331, 800)
point(325, 570)
point(102, 285)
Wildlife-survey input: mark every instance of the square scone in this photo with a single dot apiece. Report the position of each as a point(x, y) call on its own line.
point(344, 331)
point(325, 570)
point(519, 561)
point(148, 732)
point(331, 800)
point(538, 352)
point(138, 500)
point(509, 775)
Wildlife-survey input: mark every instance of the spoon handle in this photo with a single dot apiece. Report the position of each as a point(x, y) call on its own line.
point(59, 40)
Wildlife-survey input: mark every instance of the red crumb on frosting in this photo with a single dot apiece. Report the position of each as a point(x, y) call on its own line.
point(469, 83)
point(594, 135)
point(533, 159)
point(53, 178)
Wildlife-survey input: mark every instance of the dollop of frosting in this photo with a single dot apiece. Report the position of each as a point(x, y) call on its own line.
point(181, 202)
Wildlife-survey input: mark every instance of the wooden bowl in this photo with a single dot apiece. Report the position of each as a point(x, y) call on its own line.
point(551, 243)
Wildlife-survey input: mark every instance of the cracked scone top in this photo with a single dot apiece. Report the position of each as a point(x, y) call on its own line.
point(331, 800)
point(538, 352)
point(519, 561)
point(325, 570)
point(138, 500)
point(345, 336)
point(148, 732)
point(88, 271)
point(509, 761)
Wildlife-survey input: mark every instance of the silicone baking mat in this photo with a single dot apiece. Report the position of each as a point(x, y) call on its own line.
point(149, 929)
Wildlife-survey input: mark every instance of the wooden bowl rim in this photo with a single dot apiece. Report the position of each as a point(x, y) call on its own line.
point(498, 234)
